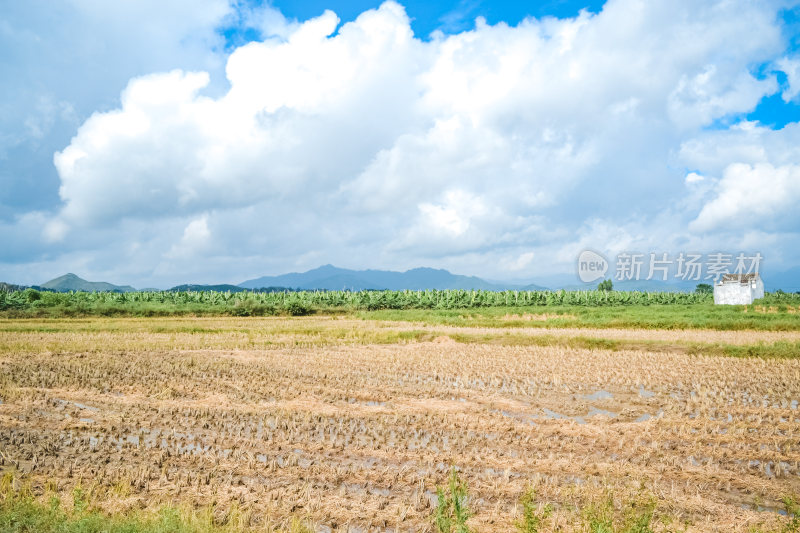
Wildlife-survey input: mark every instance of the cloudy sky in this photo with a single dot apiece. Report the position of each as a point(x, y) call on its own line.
point(211, 141)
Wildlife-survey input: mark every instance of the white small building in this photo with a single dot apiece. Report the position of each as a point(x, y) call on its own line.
point(738, 289)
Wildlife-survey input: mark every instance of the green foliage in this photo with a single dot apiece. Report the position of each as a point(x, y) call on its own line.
point(248, 307)
point(605, 285)
point(297, 307)
point(793, 512)
point(532, 516)
point(588, 309)
point(246, 303)
point(21, 512)
point(31, 295)
point(704, 288)
point(452, 508)
point(79, 502)
point(600, 517)
point(636, 516)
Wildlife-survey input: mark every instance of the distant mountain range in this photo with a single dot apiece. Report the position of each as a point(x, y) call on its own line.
point(224, 287)
point(329, 277)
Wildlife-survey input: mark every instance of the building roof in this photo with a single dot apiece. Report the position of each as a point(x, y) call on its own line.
point(740, 278)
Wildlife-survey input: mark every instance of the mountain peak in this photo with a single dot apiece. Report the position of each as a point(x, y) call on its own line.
point(325, 268)
point(68, 276)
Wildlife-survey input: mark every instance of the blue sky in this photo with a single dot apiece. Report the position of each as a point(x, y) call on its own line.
point(449, 17)
point(220, 140)
point(455, 17)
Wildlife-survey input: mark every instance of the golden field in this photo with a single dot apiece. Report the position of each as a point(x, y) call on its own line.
point(351, 424)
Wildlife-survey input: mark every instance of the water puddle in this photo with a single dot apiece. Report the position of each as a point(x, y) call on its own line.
point(554, 416)
point(645, 393)
point(84, 406)
point(763, 509)
point(357, 488)
point(600, 412)
point(61, 402)
point(593, 411)
point(598, 395)
point(519, 416)
point(432, 498)
point(369, 403)
point(647, 416)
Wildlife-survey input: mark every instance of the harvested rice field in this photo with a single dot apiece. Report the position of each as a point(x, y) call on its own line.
point(351, 424)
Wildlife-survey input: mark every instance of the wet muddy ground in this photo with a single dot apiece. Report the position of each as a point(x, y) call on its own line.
point(358, 435)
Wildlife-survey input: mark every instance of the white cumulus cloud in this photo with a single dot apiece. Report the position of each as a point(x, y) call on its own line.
point(791, 67)
point(360, 144)
point(752, 196)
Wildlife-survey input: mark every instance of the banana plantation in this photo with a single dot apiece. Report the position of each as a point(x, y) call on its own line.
point(300, 302)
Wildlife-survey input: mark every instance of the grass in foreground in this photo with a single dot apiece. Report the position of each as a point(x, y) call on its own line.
point(22, 512)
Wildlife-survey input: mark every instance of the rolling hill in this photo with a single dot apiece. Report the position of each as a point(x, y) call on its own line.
point(71, 282)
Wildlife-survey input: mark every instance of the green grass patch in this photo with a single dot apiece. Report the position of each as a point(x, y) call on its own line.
point(777, 350)
point(658, 316)
point(22, 512)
